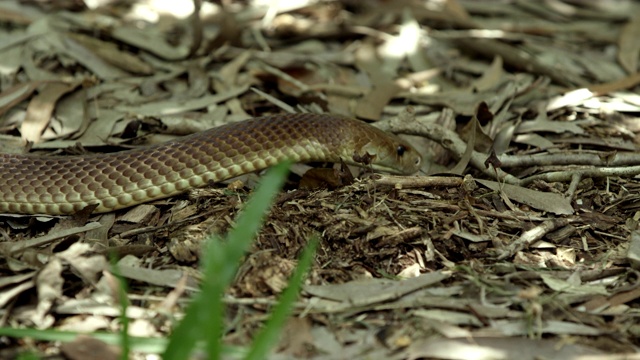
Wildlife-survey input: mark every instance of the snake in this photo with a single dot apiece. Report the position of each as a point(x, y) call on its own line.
point(64, 185)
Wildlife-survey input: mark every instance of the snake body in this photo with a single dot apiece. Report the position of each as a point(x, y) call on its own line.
point(58, 185)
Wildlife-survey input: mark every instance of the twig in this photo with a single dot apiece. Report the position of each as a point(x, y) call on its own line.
point(571, 158)
point(530, 236)
point(568, 175)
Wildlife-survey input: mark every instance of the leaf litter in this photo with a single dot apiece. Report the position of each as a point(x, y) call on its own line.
point(537, 258)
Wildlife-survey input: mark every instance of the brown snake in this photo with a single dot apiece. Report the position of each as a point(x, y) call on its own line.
point(57, 185)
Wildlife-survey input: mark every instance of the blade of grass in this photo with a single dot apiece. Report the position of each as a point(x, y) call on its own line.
point(147, 345)
point(142, 344)
point(268, 336)
point(204, 317)
point(123, 290)
point(28, 356)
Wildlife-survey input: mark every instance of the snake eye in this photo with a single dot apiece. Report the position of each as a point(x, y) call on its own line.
point(400, 150)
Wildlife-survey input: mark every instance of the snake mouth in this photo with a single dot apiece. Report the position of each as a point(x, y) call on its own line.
point(405, 166)
point(397, 168)
point(392, 170)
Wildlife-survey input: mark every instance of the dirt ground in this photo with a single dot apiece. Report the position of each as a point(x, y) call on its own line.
point(518, 238)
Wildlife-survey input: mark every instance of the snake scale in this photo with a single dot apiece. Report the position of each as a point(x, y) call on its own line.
point(58, 185)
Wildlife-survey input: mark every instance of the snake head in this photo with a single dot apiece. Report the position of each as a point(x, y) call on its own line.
point(389, 154)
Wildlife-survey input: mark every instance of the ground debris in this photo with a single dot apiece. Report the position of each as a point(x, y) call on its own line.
point(519, 238)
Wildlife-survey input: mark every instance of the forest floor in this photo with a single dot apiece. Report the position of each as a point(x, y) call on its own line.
point(518, 238)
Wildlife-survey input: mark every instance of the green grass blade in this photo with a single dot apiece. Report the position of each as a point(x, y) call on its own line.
point(142, 344)
point(123, 290)
point(146, 345)
point(28, 356)
point(204, 317)
point(268, 336)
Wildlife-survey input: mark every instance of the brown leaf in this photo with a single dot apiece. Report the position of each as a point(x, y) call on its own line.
point(49, 284)
point(629, 45)
point(41, 109)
